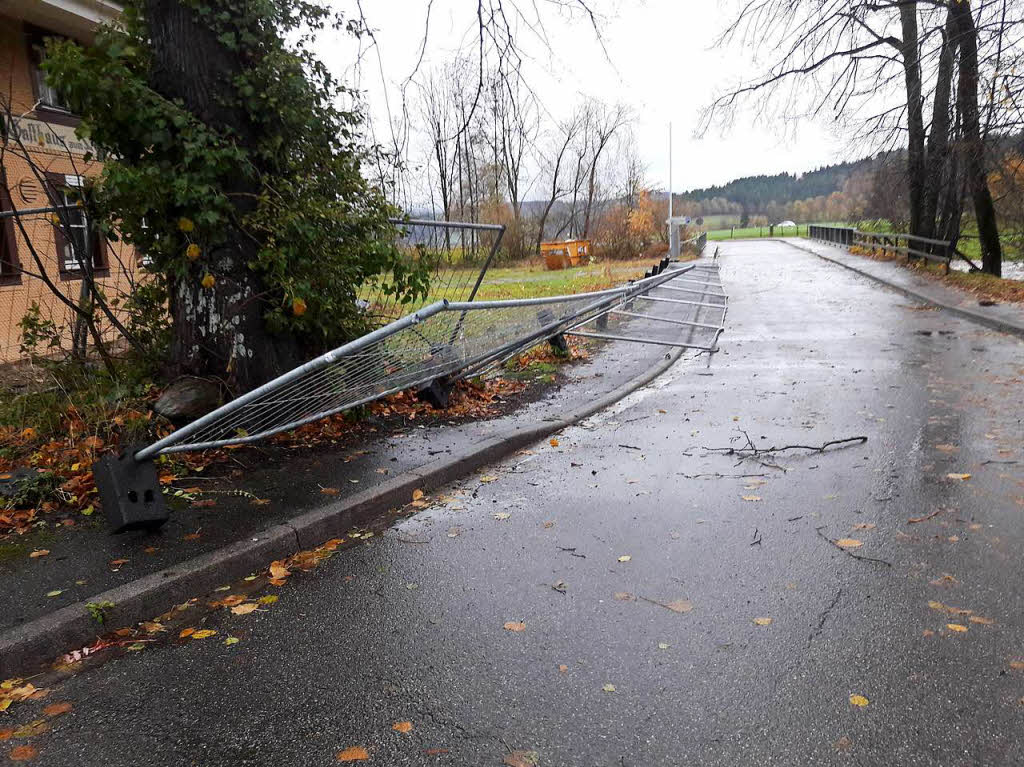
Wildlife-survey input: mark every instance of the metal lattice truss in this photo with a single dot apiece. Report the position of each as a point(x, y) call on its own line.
point(440, 341)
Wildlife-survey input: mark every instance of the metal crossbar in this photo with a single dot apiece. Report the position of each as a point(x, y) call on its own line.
point(680, 301)
point(665, 319)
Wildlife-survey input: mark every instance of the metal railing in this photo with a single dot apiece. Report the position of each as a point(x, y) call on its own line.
point(894, 243)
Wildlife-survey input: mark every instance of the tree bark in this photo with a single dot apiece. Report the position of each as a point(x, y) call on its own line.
point(973, 145)
point(938, 159)
point(915, 116)
point(219, 332)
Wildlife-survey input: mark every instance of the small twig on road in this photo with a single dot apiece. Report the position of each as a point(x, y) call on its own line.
point(848, 552)
point(915, 520)
point(630, 447)
point(794, 519)
point(719, 475)
point(752, 450)
point(985, 463)
point(572, 551)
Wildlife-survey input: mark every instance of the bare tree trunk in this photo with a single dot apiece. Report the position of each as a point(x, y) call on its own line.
point(915, 117)
point(218, 332)
point(974, 146)
point(938, 139)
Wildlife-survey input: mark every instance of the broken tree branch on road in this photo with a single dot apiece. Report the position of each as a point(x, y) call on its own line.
point(752, 451)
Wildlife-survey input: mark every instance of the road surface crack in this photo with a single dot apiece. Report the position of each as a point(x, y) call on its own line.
point(824, 617)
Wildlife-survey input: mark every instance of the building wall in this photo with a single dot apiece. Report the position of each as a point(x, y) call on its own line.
point(48, 143)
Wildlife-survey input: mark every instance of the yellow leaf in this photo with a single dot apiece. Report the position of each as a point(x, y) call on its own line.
point(231, 640)
point(752, 498)
point(329, 490)
point(849, 543)
point(298, 307)
point(959, 628)
point(278, 570)
point(515, 626)
point(609, 688)
point(353, 754)
point(245, 609)
point(192, 252)
point(417, 494)
point(152, 627)
point(186, 633)
point(488, 478)
point(185, 225)
point(982, 621)
point(203, 634)
point(763, 621)
point(208, 281)
point(231, 601)
point(961, 477)
point(858, 700)
point(402, 727)
point(39, 553)
point(55, 593)
point(625, 558)
point(553, 442)
point(269, 599)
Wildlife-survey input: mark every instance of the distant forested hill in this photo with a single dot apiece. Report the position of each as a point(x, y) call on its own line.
point(755, 193)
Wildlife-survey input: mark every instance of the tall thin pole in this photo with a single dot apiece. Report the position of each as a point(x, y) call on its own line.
point(670, 171)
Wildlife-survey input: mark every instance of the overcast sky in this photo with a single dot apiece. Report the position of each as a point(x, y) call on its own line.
point(660, 60)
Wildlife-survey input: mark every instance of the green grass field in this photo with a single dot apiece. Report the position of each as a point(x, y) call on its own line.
point(756, 231)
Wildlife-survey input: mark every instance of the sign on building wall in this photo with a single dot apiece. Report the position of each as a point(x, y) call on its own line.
point(48, 137)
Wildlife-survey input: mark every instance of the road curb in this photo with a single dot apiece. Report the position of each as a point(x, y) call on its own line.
point(23, 650)
point(982, 319)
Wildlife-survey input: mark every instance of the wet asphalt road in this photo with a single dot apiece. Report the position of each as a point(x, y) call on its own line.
point(410, 626)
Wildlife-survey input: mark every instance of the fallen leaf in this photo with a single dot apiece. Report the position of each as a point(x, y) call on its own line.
point(190, 537)
point(56, 709)
point(959, 628)
point(186, 633)
point(32, 729)
point(231, 640)
point(961, 477)
point(203, 634)
point(946, 448)
point(858, 700)
point(521, 759)
point(39, 553)
point(269, 599)
point(548, 525)
point(565, 669)
point(864, 526)
point(663, 645)
point(982, 621)
point(231, 601)
point(624, 596)
point(488, 478)
point(435, 751)
point(944, 580)
point(417, 495)
point(514, 626)
point(501, 515)
point(23, 753)
point(680, 606)
point(752, 498)
point(609, 688)
point(152, 627)
point(953, 538)
point(402, 726)
point(329, 490)
point(553, 442)
point(55, 593)
point(278, 570)
point(1017, 665)
point(843, 745)
point(762, 621)
point(353, 754)
point(245, 609)
point(849, 543)
point(625, 558)
point(6, 734)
